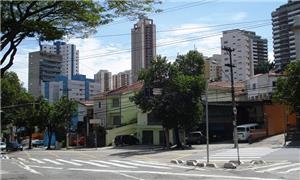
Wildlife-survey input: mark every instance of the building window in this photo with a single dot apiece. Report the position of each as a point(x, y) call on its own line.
point(274, 83)
point(99, 105)
point(115, 102)
point(152, 120)
point(116, 120)
point(253, 86)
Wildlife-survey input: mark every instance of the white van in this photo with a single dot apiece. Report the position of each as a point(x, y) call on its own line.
point(243, 131)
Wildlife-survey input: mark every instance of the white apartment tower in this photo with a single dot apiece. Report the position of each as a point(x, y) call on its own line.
point(249, 49)
point(70, 57)
point(215, 67)
point(104, 78)
point(284, 40)
point(121, 79)
point(143, 45)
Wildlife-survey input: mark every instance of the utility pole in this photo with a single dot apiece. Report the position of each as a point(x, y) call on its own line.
point(234, 110)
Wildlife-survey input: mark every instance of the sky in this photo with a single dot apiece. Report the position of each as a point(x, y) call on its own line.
point(183, 25)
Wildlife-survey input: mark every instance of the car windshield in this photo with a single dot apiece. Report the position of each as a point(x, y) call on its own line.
point(240, 129)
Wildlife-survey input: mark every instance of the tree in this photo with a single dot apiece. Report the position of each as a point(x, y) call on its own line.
point(288, 88)
point(182, 84)
point(263, 67)
point(51, 20)
point(63, 111)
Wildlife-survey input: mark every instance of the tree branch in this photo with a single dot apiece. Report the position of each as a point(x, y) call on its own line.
point(7, 53)
point(10, 63)
point(11, 8)
point(19, 9)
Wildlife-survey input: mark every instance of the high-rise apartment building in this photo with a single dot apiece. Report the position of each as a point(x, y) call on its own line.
point(296, 30)
point(143, 45)
point(284, 42)
point(42, 67)
point(215, 67)
point(70, 57)
point(249, 50)
point(103, 77)
point(121, 79)
point(78, 88)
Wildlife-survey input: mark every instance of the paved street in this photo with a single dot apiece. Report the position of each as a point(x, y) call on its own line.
point(146, 163)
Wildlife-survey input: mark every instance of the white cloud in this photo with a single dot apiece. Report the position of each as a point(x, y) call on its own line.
point(239, 16)
point(187, 29)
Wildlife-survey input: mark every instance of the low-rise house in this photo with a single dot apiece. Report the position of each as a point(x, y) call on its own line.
point(119, 116)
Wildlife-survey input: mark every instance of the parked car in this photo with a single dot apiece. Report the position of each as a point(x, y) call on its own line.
point(14, 146)
point(37, 143)
point(243, 131)
point(2, 146)
point(195, 138)
point(126, 140)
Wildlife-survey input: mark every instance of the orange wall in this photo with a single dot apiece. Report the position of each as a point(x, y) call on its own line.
point(276, 118)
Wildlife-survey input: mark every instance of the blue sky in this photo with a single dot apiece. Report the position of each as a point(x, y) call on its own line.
point(197, 20)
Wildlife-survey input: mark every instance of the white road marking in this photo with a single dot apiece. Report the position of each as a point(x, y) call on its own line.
point(270, 165)
point(162, 164)
point(69, 162)
point(174, 174)
point(114, 164)
point(21, 159)
point(91, 163)
point(280, 167)
point(24, 166)
point(241, 157)
point(126, 175)
point(52, 161)
point(46, 167)
point(141, 165)
point(290, 170)
point(36, 160)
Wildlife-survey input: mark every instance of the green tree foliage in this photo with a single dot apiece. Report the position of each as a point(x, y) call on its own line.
point(263, 67)
point(288, 88)
point(51, 20)
point(181, 84)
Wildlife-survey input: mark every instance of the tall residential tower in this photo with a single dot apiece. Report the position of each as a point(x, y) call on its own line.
point(284, 41)
point(143, 45)
point(70, 57)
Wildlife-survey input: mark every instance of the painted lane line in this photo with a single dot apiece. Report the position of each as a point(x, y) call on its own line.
point(24, 166)
point(90, 163)
point(270, 165)
point(167, 165)
point(46, 167)
point(52, 161)
point(291, 170)
point(21, 159)
point(126, 175)
point(216, 157)
point(174, 174)
point(113, 164)
point(141, 165)
point(36, 160)
point(69, 162)
point(280, 167)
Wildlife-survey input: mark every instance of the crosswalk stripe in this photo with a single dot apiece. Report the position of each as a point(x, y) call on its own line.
point(270, 165)
point(141, 165)
point(290, 170)
point(280, 167)
point(52, 161)
point(91, 163)
point(69, 162)
point(21, 159)
point(36, 160)
point(161, 164)
point(114, 164)
point(241, 157)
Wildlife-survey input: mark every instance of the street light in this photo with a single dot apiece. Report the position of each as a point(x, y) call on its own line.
point(234, 109)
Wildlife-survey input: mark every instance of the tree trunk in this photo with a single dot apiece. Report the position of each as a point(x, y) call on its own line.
point(30, 139)
point(166, 130)
point(177, 139)
point(49, 138)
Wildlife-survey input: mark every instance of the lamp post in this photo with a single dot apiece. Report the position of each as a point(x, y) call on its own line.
point(234, 109)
